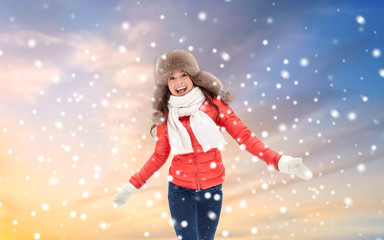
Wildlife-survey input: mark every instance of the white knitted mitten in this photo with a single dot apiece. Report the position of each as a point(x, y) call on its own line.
point(123, 195)
point(290, 165)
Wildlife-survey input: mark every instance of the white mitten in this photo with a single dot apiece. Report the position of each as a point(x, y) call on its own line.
point(290, 165)
point(123, 195)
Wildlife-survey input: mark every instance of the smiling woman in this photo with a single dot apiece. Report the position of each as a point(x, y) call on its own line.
point(191, 131)
point(179, 83)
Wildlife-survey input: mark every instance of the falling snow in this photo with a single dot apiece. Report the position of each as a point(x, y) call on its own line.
point(284, 74)
point(304, 62)
point(76, 116)
point(360, 19)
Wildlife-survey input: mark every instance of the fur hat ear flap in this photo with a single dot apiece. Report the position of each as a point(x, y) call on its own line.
point(158, 97)
point(158, 118)
point(227, 97)
point(208, 81)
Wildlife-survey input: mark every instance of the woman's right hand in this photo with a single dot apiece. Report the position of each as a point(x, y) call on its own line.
point(123, 195)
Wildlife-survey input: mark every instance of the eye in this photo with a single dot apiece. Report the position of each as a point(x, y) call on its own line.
point(184, 75)
point(171, 78)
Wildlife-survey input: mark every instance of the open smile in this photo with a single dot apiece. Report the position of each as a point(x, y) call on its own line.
point(181, 90)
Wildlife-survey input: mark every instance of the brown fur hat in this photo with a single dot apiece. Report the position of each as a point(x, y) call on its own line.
point(184, 60)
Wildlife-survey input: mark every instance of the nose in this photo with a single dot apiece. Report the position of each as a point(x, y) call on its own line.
point(179, 81)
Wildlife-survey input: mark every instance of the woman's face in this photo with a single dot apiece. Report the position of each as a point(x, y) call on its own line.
point(179, 83)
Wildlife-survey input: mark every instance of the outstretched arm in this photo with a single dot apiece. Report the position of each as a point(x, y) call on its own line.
point(157, 159)
point(153, 164)
point(243, 136)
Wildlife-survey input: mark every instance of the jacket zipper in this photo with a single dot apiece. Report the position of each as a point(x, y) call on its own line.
point(195, 161)
point(196, 172)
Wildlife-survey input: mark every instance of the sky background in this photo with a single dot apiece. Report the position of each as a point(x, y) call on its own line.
point(76, 81)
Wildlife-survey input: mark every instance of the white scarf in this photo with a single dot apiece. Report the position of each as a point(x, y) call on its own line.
point(203, 127)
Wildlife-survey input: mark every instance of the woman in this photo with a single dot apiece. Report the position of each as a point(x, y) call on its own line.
point(190, 111)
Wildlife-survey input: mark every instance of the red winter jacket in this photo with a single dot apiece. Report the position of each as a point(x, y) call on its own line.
point(202, 170)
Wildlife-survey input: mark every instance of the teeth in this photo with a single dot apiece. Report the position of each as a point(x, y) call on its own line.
point(179, 89)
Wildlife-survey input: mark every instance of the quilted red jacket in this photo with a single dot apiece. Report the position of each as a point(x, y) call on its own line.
point(202, 170)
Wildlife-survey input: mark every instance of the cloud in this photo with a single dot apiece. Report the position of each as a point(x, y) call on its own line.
point(33, 60)
point(23, 80)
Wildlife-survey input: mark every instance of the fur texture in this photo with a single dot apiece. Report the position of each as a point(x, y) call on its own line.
point(184, 60)
point(207, 81)
point(227, 97)
point(175, 59)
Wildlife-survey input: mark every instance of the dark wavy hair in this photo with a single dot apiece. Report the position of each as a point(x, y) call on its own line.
point(164, 103)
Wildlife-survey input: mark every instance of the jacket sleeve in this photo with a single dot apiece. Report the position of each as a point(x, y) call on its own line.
point(156, 160)
point(243, 136)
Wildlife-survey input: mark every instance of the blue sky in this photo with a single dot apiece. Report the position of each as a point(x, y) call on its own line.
point(75, 102)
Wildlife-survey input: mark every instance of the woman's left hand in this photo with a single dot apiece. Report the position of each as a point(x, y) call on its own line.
point(290, 165)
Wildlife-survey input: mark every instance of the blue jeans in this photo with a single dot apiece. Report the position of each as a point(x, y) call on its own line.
point(195, 215)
